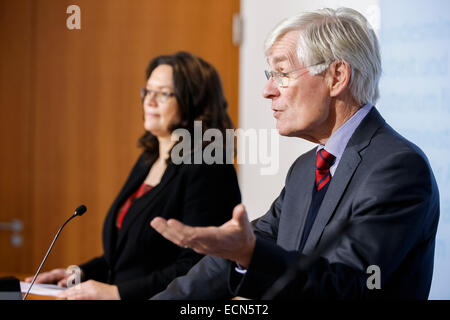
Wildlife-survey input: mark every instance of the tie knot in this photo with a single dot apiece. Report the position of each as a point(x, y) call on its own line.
point(324, 160)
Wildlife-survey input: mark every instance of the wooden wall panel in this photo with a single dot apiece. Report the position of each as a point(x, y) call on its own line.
point(85, 117)
point(16, 115)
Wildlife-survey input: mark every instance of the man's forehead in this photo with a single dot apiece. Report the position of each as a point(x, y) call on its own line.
point(284, 49)
point(283, 56)
point(277, 58)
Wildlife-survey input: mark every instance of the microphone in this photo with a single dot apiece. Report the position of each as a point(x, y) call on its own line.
point(78, 212)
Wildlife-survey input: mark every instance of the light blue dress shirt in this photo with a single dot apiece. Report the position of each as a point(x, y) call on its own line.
point(338, 141)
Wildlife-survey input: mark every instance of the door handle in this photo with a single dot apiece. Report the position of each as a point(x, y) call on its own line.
point(16, 227)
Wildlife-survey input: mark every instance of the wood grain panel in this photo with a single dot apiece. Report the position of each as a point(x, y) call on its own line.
point(16, 116)
point(88, 115)
point(70, 114)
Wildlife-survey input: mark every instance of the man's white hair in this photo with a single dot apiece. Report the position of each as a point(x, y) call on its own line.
point(328, 35)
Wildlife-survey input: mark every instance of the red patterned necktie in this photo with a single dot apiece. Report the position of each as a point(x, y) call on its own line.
point(324, 160)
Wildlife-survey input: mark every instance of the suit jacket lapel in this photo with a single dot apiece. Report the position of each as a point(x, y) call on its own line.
point(291, 235)
point(143, 203)
point(344, 172)
point(137, 176)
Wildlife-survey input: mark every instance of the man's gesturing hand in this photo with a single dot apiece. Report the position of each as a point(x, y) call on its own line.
point(234, 240)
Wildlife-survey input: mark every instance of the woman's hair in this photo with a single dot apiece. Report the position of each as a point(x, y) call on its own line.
point(327, 35)
point(198, 90)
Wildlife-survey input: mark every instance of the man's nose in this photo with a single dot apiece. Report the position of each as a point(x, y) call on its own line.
point(271, 89)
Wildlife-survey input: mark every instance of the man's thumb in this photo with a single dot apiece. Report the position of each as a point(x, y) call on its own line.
point(240, 214)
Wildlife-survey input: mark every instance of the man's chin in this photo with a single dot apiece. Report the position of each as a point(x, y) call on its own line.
point(281, 132)
point(285, 132)
point(295, 134)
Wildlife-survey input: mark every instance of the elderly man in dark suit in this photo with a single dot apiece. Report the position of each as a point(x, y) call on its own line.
point(364, 197)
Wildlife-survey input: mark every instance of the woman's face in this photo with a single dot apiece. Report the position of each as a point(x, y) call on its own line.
point(160, 105)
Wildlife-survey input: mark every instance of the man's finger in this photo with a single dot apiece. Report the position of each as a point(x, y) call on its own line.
point(158, 223)
point(183, 235)
point(161, 225)
point(173, 230)
point(239, 214)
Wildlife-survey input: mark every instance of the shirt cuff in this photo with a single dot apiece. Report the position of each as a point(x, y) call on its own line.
point(240, 269)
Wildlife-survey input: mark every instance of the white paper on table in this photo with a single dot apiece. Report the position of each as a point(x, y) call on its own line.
point(41, 289)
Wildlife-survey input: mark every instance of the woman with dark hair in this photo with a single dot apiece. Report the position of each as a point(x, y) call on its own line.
point(138, 262)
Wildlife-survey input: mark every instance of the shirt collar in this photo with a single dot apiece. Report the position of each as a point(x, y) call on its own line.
point(338, 141)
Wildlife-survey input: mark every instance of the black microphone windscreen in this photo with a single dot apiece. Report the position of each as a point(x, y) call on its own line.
point(80, 210)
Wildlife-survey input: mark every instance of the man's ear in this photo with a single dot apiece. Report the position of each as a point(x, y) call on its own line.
point(339, 73)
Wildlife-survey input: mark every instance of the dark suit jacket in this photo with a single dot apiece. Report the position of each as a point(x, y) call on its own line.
point(137, 258)
point(383, 191)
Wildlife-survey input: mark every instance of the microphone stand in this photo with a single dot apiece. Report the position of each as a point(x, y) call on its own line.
point(78, 212)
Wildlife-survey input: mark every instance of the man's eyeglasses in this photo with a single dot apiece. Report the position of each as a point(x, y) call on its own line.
point(160, 96)
point(282, 78)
